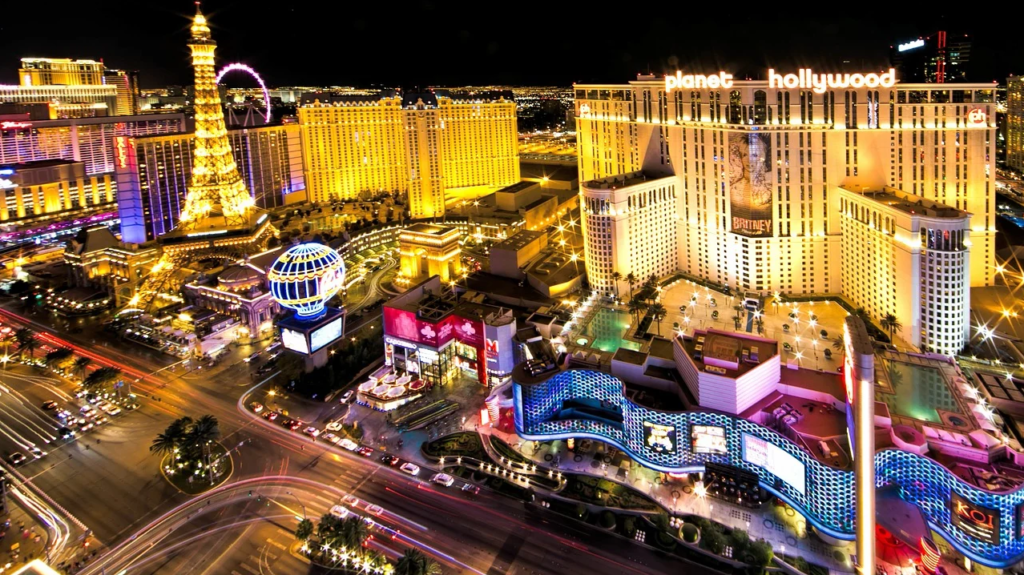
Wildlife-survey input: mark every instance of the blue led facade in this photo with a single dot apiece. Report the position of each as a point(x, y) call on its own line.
point(828, 499)
point(305, 277)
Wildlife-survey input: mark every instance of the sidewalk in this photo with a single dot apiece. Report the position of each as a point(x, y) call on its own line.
point(25, 539)
point(781, 526)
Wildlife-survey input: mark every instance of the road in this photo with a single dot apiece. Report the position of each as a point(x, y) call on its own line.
point(112, 484)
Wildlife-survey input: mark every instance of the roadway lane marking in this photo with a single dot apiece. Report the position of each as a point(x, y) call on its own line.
point(276, 544)
point(249, 569)
point(324, 499)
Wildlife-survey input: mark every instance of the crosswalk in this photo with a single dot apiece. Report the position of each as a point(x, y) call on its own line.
point(263, 556)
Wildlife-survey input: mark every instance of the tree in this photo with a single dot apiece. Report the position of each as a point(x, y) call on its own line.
point(27, 341)
point(99, 380)
point(713, 540)
point(58, 357)
point(414, 562)
point(636, 307)
point(759, 553)
point(658, 312)
point(81, 364)
point(631, 279)
point(164, 444)
point(839, 343)
point(173, 438)
point(203, 432)
point(661, 521)
point(304, 530)
point(891, 324)
point(616, 277)
point(352, 532)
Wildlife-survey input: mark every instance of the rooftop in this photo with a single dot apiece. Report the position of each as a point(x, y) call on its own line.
point(909, 203)
point(429, 229)
point(517, 241)
point(37, 164)
point(725, 351)
point(530, 170)
point(516, 188)
point(620, 181)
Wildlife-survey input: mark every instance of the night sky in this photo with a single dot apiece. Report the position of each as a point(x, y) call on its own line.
point(460, 43)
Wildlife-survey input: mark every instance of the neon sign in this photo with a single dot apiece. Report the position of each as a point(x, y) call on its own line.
point(819, 83)
point(690, 81)
point(977, 117)
point(15, 125)
point(121, 149)
point(910, 45)
point(978, 522)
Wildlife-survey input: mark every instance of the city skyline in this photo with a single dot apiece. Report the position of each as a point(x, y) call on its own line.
point(381, 45)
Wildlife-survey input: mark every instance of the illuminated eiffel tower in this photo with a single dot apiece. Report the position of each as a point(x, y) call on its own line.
point(220, 220)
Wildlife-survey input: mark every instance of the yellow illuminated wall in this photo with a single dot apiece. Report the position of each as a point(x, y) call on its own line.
point(433, 251)
point(1015, 122)
point(60, 72)
point(27, 201)
point(374, 146)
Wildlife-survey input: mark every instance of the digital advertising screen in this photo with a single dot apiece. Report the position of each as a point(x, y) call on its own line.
point(294, 340)
point(660, 438)
point(708, 439)
point(979, 522)
point(776, 461)
point(325, 335)
point(750, 189)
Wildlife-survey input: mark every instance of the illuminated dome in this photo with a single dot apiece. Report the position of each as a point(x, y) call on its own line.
point(239, 277)
point(305, 277)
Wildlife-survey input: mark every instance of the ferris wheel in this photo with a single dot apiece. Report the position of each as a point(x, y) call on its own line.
point(250, 108)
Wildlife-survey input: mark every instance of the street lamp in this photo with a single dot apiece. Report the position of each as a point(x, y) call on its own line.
point(299, 501)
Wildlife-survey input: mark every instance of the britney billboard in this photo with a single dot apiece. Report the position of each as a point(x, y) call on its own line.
point(750, 189)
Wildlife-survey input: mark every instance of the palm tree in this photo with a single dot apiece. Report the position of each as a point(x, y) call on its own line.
point(636, 307)
point(304, 530)
point(631, 279)
point(173, 438)
point(352, 532)
point(80, 366)
point(839, 343)
point(414, 562)
point(101, 378)
point(27, 341)
point(891, 324)
point(164, 444)
point(658, 312)
point(58, 357)
point(616, 277)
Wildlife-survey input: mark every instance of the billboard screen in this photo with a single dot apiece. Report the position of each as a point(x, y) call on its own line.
point(325, 335)
point(294, 340)
point(405, 325)
point(776, 461)
point(469, 332)
point(750, 188)
point(708, 439)
point(979, 522)
point(660, 438)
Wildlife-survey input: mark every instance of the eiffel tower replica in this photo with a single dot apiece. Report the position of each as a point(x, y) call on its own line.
point(220, 220)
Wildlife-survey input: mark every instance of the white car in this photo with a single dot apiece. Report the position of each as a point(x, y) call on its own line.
point(374, 509)
point(346, 396)
point(87, 411)
point(350, 500)
point(349, 444)
point(330, 437)
point(339, 511)
point(333, 426)
point(410, 468)
point(111, 409)
point(442, 479)
point(311, 431)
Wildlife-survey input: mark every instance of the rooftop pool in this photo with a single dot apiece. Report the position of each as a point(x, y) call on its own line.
point(606, 329)
point(919, 392)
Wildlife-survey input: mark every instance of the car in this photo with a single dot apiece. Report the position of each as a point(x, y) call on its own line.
point(349, 444)
point(62, 413)
point(86, 426)
point(389, 459)
point(347, 396)
point(50, 405)
point(410, 468)
point(102, 419)
point(470, 488)
point(334, 439)
point(87, 410)
point(37, 453)
point(103, 404)
point(366, 451)
point(256, 406)
point(333, 426)
point(17, 458)
point(350, 500)
point(339, 511)
point(374, 509)
point(65, 432)
point(311, 431)
point(112, 409)
point(270, 415)
point(92, 398)
point(285, 421)
point(295, 424)
point(442, 479)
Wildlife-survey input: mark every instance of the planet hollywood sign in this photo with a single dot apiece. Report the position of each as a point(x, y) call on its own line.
point(804, 78)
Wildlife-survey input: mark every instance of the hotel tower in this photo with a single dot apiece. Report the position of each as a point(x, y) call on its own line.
point(757, 185)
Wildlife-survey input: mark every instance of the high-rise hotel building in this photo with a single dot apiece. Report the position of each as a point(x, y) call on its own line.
point(421, 144)
point(74, 88)
point(739, 184)
point(1015, 122)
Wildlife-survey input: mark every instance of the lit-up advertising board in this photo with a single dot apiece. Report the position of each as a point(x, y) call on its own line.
point(405, 325)
point(776, 461)
point(1020, 521)
point(911, 45)
point(977, 118)
point(660, 438)
point(979, 522)
point(804, 78)
point(294, 340)
point(325, 335)
point(468, 331)
point(708, 439)
point(750, 189)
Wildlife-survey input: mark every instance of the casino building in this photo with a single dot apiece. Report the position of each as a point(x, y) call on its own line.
point(740, 184)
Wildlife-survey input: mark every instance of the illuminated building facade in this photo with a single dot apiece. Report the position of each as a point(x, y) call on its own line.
point(430, 250)
point(82, 101)
point(756, 168)
point(908, 257)
point(127, 84)
point(96, 259)
point(60, 72)
point(1015, 122)
point(153, 183)
point(421, 144)
point(52, 188)
point(940, 58)
point(86, 140)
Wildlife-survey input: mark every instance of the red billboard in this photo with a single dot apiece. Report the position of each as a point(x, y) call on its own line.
point(405, 325)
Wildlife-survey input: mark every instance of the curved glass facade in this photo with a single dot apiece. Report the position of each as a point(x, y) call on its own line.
point(580, 403)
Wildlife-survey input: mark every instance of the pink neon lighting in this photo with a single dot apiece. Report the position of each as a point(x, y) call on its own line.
point(239, 67)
